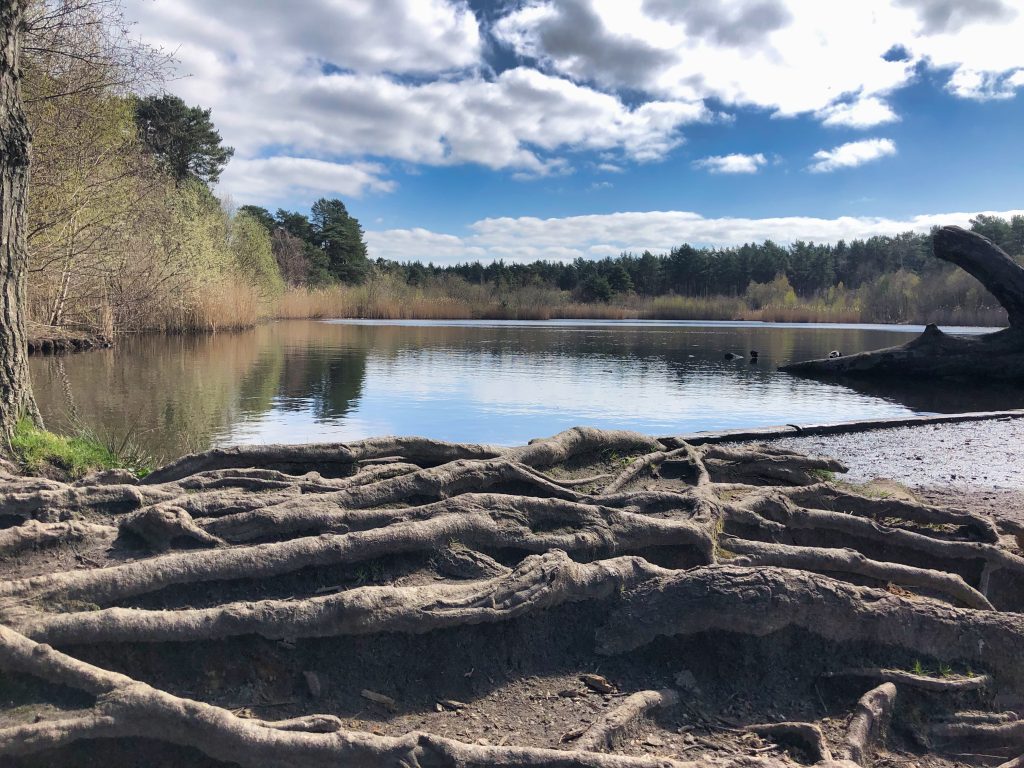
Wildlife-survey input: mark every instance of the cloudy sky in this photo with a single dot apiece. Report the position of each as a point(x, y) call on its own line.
point(524, 129)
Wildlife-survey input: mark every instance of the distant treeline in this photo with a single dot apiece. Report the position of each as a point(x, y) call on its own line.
point(879, 279)
point(809, 268)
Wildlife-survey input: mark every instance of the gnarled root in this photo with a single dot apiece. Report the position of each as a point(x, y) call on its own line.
point(869, 722)
point(32, 534)
point(539, 582)
point(161, 526)
point(825, 560)
point(609, 731)
point(921, 682)
point(760, 601)
point(582, 528)
point(749, 560)
point(964, 734)
point(764, 465)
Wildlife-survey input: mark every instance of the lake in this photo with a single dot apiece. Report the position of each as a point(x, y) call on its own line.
point(500, 382)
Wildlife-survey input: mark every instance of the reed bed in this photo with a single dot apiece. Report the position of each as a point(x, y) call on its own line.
point(398, 302)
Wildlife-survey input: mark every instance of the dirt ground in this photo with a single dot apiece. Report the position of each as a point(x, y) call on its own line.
point(529, 681)
point(975, 465)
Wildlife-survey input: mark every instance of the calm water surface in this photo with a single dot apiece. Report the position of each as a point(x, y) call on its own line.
point(501, 382)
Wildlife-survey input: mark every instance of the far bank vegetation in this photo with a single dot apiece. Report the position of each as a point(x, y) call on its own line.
point(126, 235)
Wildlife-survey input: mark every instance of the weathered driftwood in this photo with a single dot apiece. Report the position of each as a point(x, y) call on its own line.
point(998, 355)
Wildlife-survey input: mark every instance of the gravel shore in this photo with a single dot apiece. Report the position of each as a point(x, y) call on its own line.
point(977, 465)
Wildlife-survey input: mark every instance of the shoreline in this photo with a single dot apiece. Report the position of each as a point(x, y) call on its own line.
point(837, 427)
point(55, 340)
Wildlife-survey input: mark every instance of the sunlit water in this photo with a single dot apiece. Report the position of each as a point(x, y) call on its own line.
point(500, 382)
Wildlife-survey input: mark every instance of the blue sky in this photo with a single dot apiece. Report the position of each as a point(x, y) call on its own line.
point(565, 128)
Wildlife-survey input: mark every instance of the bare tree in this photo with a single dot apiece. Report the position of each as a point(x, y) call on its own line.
point(16, 399)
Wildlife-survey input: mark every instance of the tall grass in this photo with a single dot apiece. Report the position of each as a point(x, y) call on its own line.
point(76, 454)
point(384, 299)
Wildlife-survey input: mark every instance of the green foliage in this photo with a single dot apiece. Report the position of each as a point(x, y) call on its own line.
point(262, 215)
point(619, 280)
point(892, 296)
point(596, 288)
point(778, 293)
point(340, 236)
point(182, 138)
point(250, 244)
point(77, 454)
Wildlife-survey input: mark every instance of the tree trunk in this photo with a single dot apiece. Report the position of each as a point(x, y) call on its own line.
point(998, 356)
point(16, 398)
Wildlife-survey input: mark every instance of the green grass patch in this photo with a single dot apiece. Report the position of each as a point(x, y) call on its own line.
point(77, 454)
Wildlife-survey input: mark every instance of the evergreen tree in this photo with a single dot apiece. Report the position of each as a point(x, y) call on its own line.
point(260, 214)
point(183, 138)
point(340, 237)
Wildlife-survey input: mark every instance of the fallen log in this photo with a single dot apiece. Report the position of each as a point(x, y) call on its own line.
point(997, 356)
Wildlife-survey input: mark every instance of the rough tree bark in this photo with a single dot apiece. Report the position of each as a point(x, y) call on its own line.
point(997, 356)
point(16, 398)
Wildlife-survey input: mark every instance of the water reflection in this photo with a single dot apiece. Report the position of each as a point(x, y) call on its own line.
point(496, 382)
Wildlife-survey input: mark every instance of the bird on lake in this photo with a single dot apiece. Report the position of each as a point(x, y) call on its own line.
point(834, 354)
point(733, 356)
point(753, 357)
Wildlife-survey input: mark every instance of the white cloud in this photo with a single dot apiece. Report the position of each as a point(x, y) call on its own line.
point(400, 36)
point(272, 179)
point(263, 68)
point(861, 113)
point(851, 154)
point(985, 86)
point(735, 163)
point(791, 56)
point(348, 81)
point(597, 236)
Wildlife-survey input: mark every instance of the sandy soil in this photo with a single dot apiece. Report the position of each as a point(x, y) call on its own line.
point(976, 465)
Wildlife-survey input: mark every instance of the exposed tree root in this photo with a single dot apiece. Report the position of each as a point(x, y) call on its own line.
point(779, 509)
point(921, 682)
point(579, 528)
point(161, 526)
point(836, 499)
point(869, 722)
point(430, 537)
point(340, 456)
point(538, 582)
point(651, 462)
point(607, 733)
point(32, 534)
point(763, 600)
point(824, 560)
point(764, 465)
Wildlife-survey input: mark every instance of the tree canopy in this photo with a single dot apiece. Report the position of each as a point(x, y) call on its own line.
point(183, 138)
